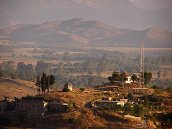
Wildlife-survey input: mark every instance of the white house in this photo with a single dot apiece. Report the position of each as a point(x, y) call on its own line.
point(68, 86)
point(128, 77)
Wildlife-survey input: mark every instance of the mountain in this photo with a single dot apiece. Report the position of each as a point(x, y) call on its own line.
point(79, 32)
point(152, 37)
point(120, 13)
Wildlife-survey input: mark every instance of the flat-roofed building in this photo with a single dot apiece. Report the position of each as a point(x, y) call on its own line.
point(31, 107)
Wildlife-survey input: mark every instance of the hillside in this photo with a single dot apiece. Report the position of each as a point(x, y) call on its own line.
point(16, 88)
point(81, 32)
point(80, 113)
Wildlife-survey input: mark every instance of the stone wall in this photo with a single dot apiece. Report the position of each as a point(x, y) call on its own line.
point(56, 107)
point(31, 107)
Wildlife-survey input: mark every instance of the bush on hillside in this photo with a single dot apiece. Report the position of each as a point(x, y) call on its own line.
point(82, 89)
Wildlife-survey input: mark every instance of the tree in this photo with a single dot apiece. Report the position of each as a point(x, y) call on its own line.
point(42, 67)
point(147, 77)
point(137, 110)
point(114, 77)
point(122, 77)
point(43, 82)
point(46, 82)
point(134, 77)
point(89, 66)
point(127, 108)
point(7, 68)
point(13, 75)
point(60, 69)
point(66, 56)
point(1, 74)
point(130, 96)
point(25, 71)
point(38, 84)
point(101, 67)
point(159, 74)
point(92, 81)
point(146, 100)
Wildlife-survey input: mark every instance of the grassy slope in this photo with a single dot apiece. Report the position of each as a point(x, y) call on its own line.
point(84, 115)
point(16, 88)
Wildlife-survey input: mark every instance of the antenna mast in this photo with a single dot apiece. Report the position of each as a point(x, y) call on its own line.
point(141, 63)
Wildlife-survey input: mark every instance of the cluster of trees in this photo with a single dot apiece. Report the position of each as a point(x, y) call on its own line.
point(6, 48)
point(152, 101)
point(162, 60)
point(147, 77)
point(64, 72)
point(62, 75)
point(81, 80)
point(135, 110)
point(164, 118)
point(22, 71)
point(44, 82)
point(116, 76)
point(132, 109)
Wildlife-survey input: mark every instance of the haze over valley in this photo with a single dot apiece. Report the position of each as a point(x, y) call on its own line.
point(86, 64)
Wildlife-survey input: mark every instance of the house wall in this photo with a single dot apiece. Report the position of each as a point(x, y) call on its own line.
point(32, 108)
point(3, 106)
point(108, 103)
point(68, 86)
point(128, 81)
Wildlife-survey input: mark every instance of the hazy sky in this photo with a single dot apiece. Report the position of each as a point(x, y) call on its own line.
point(153, 4)
point(136, 14)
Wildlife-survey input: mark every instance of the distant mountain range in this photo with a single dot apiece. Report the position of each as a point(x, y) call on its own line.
point(119, 13)
point(86, 32)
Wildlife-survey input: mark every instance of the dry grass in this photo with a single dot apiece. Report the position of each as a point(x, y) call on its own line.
point(77, 97)
point(84, 115)
point(15, 88)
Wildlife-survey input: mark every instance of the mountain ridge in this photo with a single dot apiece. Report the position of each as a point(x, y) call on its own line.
point(93, 32)
point(122, 13)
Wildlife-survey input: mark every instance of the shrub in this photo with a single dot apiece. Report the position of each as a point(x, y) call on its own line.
point(72, 120)
point(33, 98)
point(137, 110)
point(65, 90)
point(82, 89)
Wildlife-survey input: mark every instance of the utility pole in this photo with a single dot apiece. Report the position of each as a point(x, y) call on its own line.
point(141, 63)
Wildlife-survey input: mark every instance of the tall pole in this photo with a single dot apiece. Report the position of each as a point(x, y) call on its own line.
point(141, 63)
point(140, 81)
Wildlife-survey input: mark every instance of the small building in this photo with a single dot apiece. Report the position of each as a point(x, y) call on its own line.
point(3, 106)
point(121, 103)
point(31, 107)
point(139, 90)
point(56, 107)
point(108, 88)
point(128, 77)
point(109, 103)
point(124, 100)
point(68, 86)
point(107, 98)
